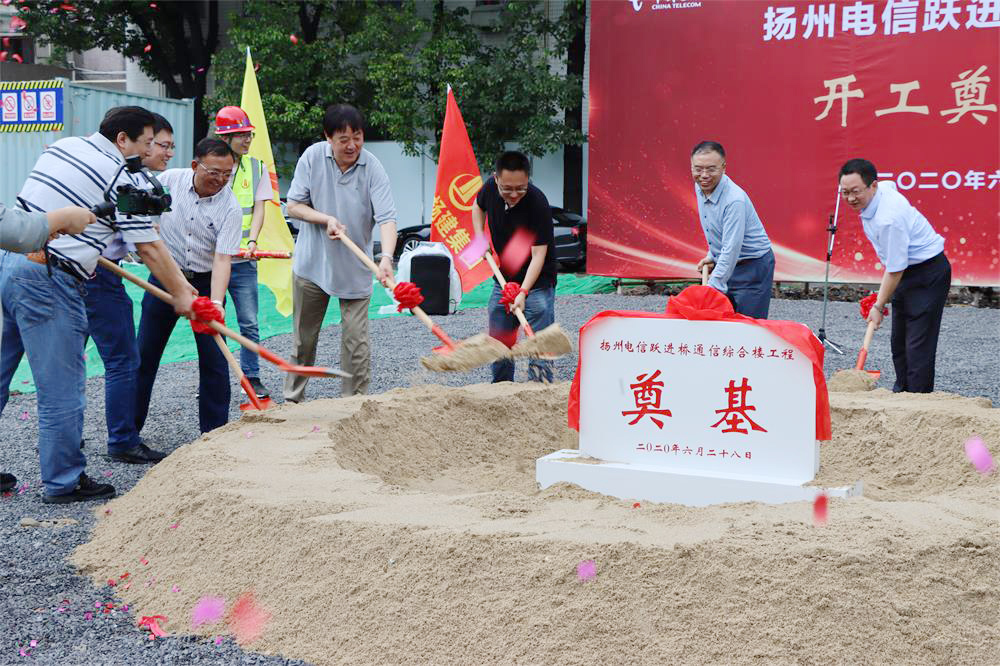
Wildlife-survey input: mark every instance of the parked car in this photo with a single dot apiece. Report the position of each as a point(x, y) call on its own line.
point(569, 231)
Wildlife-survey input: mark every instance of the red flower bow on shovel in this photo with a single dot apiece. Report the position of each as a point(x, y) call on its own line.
point(408, 295)
point(509, 294)
point(866, 305)
point(205, 311)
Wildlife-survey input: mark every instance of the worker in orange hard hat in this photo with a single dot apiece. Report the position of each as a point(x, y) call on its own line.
point(252, 186)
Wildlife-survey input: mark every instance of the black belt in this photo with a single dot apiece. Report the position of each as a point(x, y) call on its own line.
point(43, 257)
point(190, 275)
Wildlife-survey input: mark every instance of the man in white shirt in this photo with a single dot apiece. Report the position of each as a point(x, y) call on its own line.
point(202, 232)
point(43, 310)
point(917, 273)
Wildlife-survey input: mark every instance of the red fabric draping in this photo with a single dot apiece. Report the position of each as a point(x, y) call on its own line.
point(702, 303)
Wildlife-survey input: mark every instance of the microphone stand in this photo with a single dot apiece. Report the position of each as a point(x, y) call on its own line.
point(832, 230)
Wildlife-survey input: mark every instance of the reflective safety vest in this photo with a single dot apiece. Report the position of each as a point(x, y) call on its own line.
point(244, 185)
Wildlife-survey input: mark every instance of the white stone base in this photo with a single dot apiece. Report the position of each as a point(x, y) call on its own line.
point(654, 484)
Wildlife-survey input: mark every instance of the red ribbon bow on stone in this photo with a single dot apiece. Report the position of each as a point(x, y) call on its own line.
point(866, 305)
point(150, 622)
point(408, 295)
point(510, 292)
point(204, 310)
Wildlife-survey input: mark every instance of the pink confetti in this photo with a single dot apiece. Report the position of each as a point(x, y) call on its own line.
point(3, 57)
point(147, 48)
point(586, 570)
point(143, 561)
point(125, 606)
point(218, 640)
point(97, 604)
point(22, 652)
point(126, 586)
point(17, 23)
point(33, 643)
point(820, 509)
point(636, 505)
point(175, 526)
point(25, 415)
point(84, 357)
point(152, 5)
point(200, 70)
point(17, 57)
point(208, 610)
point(247, 619)
point(175, 589)
point(315, 428)
point(26, 382)
point(294, 39)
point(107, 512)
point(250, 434)
point(979, 455)
point(107, 473)
point(474, 251)
point(23, 489)
point(515, 254)
point(88, 615)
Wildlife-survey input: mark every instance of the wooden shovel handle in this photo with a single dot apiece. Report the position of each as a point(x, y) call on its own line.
point(416, 310)
point(503, 283)
point(863, 354)
point(704, 274)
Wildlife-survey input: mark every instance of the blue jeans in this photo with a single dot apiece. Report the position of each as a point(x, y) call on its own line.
point(110, 324)
point(243, 290)
point(155, 326)
point(44, 317)
point(540, 311)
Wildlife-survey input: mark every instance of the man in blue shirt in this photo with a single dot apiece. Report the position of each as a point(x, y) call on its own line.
point(739, 252)
point(917, 274)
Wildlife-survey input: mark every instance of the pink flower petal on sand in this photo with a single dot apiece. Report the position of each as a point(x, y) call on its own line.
point(143, 561)
point(175, 589)
point(218, 640)
point(208, 610)
point(25, 415)
point(979, 455)
point(586, 570)
point(33, 643)
point(247, 619)
point(820, 505)
point(175, 526)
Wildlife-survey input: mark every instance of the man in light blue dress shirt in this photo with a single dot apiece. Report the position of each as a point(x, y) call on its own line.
point(739, 252)
point(917, 273)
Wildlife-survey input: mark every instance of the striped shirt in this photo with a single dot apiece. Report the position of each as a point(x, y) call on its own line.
point(76, 171)
point(197, 228)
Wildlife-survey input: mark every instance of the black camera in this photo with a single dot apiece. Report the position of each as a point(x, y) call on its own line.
point(131, 199)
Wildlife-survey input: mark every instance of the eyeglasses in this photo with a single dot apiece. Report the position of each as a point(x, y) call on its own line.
point(215, 173)
point(243, 135)
point(512, 190)
point(711, 171)
point(169, 147)
point(854, 192)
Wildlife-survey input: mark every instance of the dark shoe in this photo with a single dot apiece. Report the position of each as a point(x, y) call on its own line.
point(86, 489)
point(7, 482)
point(260, 389)
point(139, 455)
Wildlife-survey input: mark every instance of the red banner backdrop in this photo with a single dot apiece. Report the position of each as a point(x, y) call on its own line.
point(793, 90)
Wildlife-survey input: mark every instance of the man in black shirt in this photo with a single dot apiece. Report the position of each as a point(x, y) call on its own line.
point(511, 203)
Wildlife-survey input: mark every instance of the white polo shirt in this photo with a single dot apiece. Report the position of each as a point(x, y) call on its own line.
point(75, 171)
point(900, 234)
point(196, 228)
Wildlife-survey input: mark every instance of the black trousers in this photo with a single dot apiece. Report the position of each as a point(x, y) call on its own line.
point(917, 306)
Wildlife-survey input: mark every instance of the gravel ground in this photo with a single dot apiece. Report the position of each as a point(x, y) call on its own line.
point(35, 576)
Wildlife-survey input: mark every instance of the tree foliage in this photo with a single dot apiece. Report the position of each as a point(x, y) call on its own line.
point(173, 42)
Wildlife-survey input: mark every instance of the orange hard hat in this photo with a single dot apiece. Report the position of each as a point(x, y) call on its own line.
point(232, 119)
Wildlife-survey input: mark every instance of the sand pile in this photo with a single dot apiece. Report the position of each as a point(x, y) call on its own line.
point(849, 381)
point(406, 528)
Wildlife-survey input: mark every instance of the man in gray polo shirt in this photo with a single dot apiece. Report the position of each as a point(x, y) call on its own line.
point(338, 188)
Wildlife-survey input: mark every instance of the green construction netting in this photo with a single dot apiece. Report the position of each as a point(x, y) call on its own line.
point(181, 345)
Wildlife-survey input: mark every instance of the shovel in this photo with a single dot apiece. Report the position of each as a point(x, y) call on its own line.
point(863, 354)
point(304, 370)
point(255, 402)
point(466, 355)
point(547, 343)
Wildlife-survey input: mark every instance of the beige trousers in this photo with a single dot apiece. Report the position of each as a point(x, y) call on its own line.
point(309, 304)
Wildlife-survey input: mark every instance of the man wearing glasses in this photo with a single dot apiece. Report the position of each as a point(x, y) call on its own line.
point(739, 252)
point(510, 203)
point(110, 324)
point(202, 232)
point(917, 273)
point(252, 186)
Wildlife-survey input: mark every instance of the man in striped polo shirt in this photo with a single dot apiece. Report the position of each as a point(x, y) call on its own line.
point(202, 231)
point(43, 310)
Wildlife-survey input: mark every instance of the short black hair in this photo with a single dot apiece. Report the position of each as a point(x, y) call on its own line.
point(133, 120)
point(211, 146)
point(340, 118)
point(862, 167)
point(513, 160)
point(160, 123)
point(707, 146)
